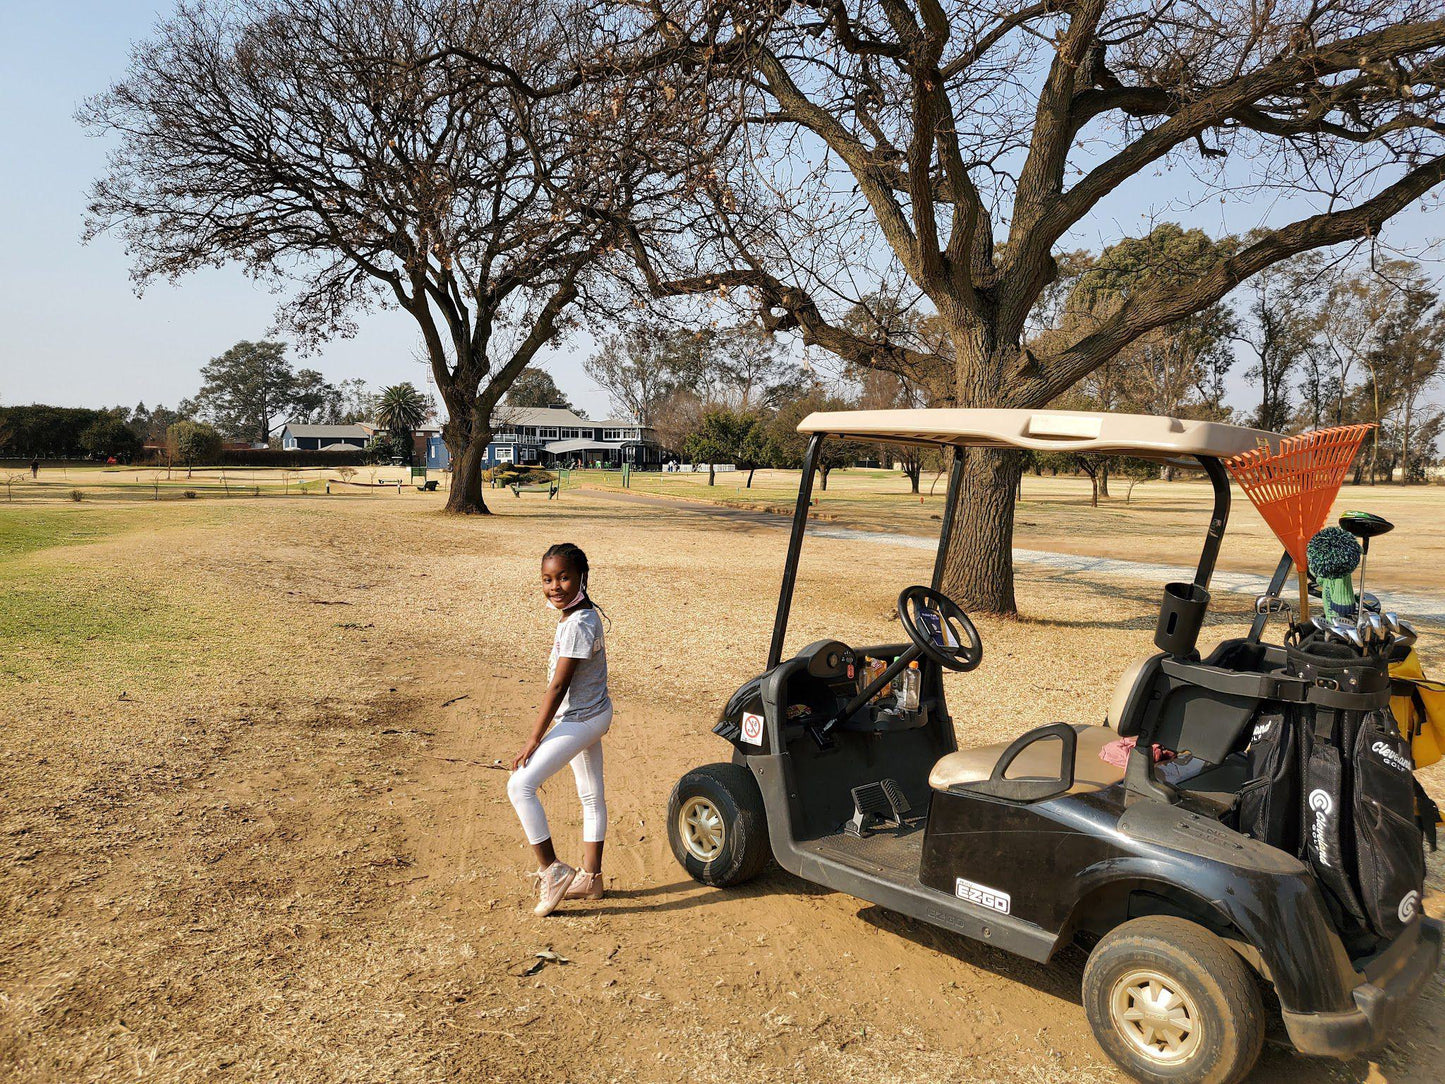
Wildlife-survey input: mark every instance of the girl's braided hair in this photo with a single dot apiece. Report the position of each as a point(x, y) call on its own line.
point(573, 556)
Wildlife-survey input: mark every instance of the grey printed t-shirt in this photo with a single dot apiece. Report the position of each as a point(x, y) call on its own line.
point(579, 636)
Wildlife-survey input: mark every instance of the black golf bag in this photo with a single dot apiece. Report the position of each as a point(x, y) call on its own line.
point(1331, 780)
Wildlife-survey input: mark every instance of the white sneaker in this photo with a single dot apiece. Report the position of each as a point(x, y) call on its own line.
point(552, 885)
point(587, 886)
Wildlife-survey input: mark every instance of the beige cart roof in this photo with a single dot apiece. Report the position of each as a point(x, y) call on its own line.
point(1143, 435)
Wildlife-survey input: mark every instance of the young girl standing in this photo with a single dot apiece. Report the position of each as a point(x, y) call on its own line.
point(577, 698)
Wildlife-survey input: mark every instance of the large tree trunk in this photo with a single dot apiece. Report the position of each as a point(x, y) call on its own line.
point(1103, 490)
point(978, 571)
point(465, 495)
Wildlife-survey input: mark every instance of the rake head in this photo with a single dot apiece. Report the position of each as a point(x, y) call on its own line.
point(1294, 487)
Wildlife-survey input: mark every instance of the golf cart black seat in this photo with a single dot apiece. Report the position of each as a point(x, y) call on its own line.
point(1037, 762)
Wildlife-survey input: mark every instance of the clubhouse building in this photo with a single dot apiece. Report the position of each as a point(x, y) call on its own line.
point(554, 437)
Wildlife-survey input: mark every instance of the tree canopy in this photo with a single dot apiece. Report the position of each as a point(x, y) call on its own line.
point(390, 152)
point(945, 152)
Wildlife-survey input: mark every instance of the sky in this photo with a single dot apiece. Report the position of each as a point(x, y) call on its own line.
point(74, 331)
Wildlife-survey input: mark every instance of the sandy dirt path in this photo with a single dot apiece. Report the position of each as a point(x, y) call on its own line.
point(279, 853)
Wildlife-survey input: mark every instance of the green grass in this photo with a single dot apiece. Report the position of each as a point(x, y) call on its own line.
point(27, 529)
point(64, 616)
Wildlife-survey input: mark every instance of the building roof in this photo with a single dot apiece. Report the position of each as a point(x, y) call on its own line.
point(618, 423)
point(326, 432)
point(549, 416)
point(1143, 435)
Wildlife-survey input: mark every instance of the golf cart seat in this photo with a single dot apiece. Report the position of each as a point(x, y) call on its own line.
point(1036, 762)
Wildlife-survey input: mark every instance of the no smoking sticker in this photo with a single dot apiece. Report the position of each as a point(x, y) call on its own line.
point(752, 728)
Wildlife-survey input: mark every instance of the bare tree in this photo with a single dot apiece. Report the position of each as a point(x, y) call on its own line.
point(892, 143)
point(383, 153)
point(636, 367)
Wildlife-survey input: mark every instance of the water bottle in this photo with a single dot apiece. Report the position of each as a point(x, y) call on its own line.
point(910, 686)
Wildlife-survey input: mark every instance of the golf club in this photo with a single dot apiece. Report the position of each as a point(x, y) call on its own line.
point(1270, 605)
point(1406, 634)
point(1364, 526)
point(1378, 630)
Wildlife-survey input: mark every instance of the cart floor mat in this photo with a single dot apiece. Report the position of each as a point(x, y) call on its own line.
point(886, 850)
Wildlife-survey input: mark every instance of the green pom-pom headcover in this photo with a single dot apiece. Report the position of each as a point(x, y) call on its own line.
point(1333, 554)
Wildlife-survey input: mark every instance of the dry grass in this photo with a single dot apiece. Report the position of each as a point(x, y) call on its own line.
point(281, 855)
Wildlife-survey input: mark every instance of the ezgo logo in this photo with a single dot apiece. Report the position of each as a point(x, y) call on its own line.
point(984, 896)
point(1323, 805)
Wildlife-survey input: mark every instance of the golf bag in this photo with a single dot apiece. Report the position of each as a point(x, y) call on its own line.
point(1330, 780)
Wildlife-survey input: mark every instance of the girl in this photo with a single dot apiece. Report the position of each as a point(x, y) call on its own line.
point(577, 696)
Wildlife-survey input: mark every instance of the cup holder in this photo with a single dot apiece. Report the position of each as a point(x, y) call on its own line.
point(1181, 616)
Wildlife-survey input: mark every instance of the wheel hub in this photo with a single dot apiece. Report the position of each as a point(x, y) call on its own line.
point(701, 827)
point(1156, 1016)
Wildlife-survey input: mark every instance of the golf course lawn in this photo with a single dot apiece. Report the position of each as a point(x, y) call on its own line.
point(254, 826)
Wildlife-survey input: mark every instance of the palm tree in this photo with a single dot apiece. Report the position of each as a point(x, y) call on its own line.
point(401, 409)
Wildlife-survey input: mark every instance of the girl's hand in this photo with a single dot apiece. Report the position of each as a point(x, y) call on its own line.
point(526, 754)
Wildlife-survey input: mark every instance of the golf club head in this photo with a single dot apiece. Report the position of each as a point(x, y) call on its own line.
point(1271, 604)
point(1392, 622)
point(1339, 631)
point(1375, 627)
point(1353, 638)
point(1406, 634)
point(1321, 622)
point(1370, 602)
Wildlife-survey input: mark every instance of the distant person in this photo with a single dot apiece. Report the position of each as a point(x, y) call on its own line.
point(577, 699)
point(34, 469)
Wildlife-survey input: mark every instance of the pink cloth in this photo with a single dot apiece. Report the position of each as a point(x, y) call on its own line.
point(1117, 752)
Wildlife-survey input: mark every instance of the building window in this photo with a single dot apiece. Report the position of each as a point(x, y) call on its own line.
point(614, 434)
point(505, 438)
point(547, 432)
point(503, 455)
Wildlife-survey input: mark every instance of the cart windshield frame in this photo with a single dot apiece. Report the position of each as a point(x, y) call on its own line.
point(1182, 442)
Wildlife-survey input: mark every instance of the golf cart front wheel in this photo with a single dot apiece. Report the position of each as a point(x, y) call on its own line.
point(717, 825)
point(1170, 1001)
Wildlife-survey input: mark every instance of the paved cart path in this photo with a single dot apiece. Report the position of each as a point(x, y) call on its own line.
point(1413, 605)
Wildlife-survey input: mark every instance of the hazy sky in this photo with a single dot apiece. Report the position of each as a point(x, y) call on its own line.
point(74, 333)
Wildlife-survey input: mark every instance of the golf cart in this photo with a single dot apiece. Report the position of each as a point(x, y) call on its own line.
point(846, 771)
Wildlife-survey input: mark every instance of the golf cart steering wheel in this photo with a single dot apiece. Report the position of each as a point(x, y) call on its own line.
point(954, 643)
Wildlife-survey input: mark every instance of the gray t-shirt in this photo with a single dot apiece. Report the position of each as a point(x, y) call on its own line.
point(579, 636)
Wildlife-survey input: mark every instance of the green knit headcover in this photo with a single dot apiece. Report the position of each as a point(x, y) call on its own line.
point(1334, 554)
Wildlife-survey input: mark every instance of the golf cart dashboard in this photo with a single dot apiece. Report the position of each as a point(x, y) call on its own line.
point(826, 675)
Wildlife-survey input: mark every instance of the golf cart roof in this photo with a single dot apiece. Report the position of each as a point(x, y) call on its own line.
point(1144, 435)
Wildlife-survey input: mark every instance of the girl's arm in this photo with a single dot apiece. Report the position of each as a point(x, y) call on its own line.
point(556, 690)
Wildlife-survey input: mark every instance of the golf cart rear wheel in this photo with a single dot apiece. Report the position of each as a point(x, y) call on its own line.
point(1170, 1001)
point(717, 825)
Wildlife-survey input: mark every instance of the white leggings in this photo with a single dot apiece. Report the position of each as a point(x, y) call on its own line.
point(581, 744)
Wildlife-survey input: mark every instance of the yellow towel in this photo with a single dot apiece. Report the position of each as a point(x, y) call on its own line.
point(1419, 710)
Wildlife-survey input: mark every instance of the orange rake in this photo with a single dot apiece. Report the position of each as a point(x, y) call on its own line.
point(1294, 487)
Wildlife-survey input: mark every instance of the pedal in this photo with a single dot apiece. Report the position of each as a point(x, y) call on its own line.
point(870, 802)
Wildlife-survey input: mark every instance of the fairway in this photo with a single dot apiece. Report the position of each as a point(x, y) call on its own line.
point(254, 828)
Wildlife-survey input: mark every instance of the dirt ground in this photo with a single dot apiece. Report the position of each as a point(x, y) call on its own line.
point(251, 827)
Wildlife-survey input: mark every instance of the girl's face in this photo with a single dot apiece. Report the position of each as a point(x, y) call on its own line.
point(560, 582)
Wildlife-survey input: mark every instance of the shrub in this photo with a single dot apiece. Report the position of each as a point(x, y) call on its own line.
point(189, 494)
point(509, 474)
point(77, 495)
